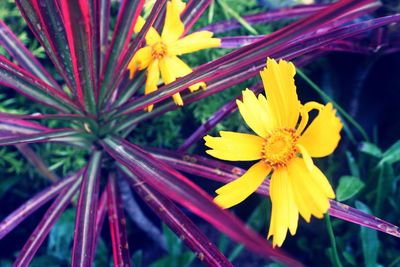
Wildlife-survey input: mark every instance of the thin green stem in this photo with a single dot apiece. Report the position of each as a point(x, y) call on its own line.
point(335, 255)
point(327, 98)
point(395, 262)
point(226, 8)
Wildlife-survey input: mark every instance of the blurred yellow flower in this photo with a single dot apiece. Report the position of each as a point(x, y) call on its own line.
point(284, 145)
point(160, 53)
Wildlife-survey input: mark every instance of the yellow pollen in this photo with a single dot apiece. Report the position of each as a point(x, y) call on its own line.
point(158, 50)
point(279, 147)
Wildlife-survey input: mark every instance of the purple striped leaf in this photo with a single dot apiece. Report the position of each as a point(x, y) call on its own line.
point(10, 127)
point(104, 27)
point(79, 31)
point(43, 228)
point(45, 21)
point(29, 85)
point(29, 207)
point(23, 56)
point(36, 161)
point(193, 11)
point(127, 16)
point(117, 221)
point(178, 188)
point(135, 45)
point(225, 111)
point(40, 116)
point(101, 215)
point(213, 120)
point(288, 51)
point(225, 173)
point(84, 235)
point(244, 58)
point(183, 227)
point(265, 17)
point(57, 135)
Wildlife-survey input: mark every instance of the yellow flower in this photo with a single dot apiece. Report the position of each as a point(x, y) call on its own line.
point(160, 53)
point(284, 145)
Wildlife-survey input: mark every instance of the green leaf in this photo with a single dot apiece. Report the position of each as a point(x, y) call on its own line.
point(183, 260)
point(6, 184)
point(355, 171)
point(348, 187)
point(256, 221)
point(369, 240)
point(349, 258)
point(137, 258)
point(392, 154)
point(371, 149)
point(174, 244)
point(384, 185)
point(101, 258)
point(60, 238)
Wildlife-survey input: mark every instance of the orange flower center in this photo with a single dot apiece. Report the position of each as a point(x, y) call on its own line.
point(279, 147)
point(158, 50)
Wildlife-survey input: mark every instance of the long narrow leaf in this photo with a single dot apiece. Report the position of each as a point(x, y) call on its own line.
point(10, 127)
point(104, 24)
point(224, 111)
point(100, 217)
point(225, 173)
point(169, 213)
point(23, 56)
point(123, 30)
point(117, 221)
point(246, 57)
point(84, 235)
point(43, 228)
point(25, 83)
point(193, 11)
point(79, 36)
point(265, 17)
point(37, 162)
point(288, 51)
point(45, 21)
point(134, 46)
point(175, 186)
point(29, 207)
point(50, 135)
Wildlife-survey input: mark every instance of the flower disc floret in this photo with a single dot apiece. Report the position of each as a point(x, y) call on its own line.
point(158, 50)
point(279, 147)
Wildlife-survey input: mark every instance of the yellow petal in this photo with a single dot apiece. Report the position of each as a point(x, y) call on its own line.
point(235, 192)
point(152, 35)
point(322, 182)
point(153, 76)
point(234, 146)
point(285, 214)
point(254, 114)
point(173, 26)
point(169, 74)
point(311, 191)
point(193, 42)
point(197, 86)
point(181, 69)
point(307, 158)
point(177, 99)
point(140, 60)
point(323, 134)
point(281, 92)
point(179, 5)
